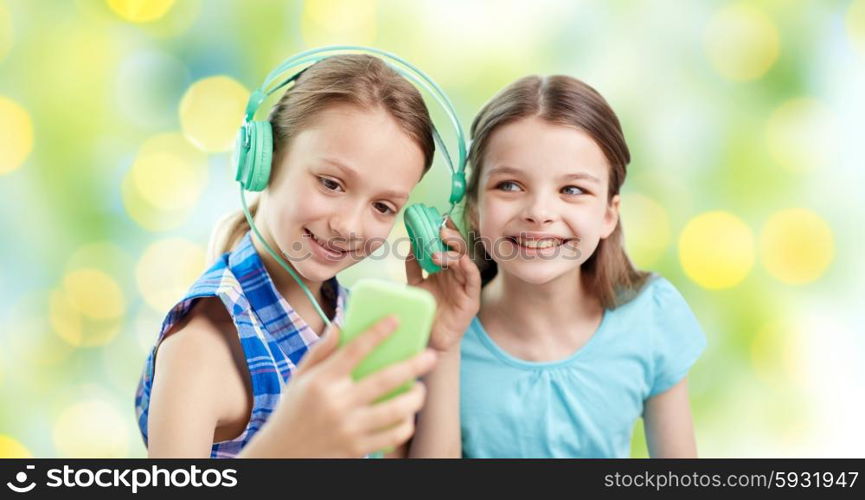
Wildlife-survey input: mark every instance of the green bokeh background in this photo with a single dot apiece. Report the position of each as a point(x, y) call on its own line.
point(753, 110)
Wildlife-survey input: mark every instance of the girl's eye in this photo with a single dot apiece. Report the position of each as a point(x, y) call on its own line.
point(383, 208)
point(573, 190)
point(507, 186)
point(329, 184)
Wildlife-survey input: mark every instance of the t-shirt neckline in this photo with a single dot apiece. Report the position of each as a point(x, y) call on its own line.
point(508, 358)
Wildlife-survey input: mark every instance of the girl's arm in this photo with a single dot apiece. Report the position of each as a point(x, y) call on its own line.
point(438, 423)
point(457, 291)
point(668, 425)
point(198, 384)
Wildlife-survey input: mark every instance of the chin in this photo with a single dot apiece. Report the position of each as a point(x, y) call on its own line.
point(536, 273)
point(316, 272)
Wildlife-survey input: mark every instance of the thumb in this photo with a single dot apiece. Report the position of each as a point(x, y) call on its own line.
point(319, 351)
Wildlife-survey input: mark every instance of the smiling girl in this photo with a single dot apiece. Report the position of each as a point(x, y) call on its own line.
point(572, 344)
point(238, 368)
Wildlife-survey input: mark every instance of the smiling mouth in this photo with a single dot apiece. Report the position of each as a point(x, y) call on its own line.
point(538, 243)
point(331, 250)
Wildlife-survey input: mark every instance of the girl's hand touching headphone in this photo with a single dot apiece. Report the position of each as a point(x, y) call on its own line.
point(323, 412)
point(457, 288)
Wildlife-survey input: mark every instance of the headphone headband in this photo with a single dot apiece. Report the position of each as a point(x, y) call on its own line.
point(402, 67)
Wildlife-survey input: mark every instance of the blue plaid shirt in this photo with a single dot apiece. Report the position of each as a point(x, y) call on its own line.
point(273, 336)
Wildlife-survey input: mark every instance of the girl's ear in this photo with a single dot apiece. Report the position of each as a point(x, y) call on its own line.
point(611, 217)
point(472, 217)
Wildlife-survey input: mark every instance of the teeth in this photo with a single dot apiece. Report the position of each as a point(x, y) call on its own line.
point(544, 243)
point(323, 245)
point(328, 248)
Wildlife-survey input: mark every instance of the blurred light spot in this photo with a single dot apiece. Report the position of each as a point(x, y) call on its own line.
point(169, 172)
point(91, 429)
point(6, 33)
point(167, 269)
point(211, 112)
point(16, 135)
point(856, 24)
point(10, 448)
point(165, 182)
point(796, 246)
point(145, 326)
point(776, 354)
point(148, 86)
point(646, 225)
point(90, 53)
point(94, 293)
point(103, 255)
point(178, 21)
point(122, 362)
point(75, 328)
point(716, 250)
point(462, 32)
point(147, 215)
point(802, 135)
point(65, 318)
point(832, 373)
point(140, 11)
point(327, 22)
point(741, 42)
point(33, 343)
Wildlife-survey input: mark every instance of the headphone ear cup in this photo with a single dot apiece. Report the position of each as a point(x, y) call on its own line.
point(253, 152)
point(240, 158)
point(260, 155)
point(422, 224)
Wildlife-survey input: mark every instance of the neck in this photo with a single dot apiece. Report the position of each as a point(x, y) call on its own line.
point(529, 310)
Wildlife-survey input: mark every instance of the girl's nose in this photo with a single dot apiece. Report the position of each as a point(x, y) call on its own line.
point(346, 224)
point(537, 211)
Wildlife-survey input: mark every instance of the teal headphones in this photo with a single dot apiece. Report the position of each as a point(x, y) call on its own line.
point(254, 151)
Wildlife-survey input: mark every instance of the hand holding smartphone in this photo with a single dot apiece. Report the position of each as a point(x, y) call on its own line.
point(370, 301)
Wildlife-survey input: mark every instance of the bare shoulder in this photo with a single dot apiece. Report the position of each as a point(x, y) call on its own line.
point(204, 330)
point(204, 340)
point(201, 392)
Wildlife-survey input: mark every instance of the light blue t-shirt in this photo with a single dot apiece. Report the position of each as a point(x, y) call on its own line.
point(586, 404)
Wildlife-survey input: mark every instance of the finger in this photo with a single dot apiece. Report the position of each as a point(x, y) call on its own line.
point(473, 277)
point(449, 222)
point(453, 276)
point(391, 437)
point(347, 358)
point(413, 272)
point(390, 413)
point(321, 349)
point(446, 259)
point(459, 273)
point(453, 239)
point(382, 382)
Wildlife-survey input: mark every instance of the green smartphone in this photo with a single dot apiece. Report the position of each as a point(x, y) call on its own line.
point(371, 300)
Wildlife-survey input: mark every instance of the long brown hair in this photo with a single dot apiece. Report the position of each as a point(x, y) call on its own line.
point(608, 272)
point(358, 79)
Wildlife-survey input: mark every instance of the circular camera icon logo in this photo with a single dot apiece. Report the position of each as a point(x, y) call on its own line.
point(20, 478)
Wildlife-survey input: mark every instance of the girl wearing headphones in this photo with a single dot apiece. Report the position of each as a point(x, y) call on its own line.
point(242, 368)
